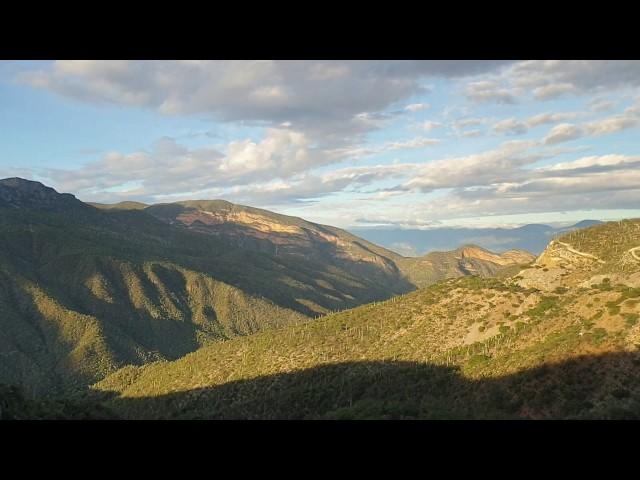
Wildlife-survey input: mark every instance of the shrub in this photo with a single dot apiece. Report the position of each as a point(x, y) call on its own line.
point(621, 393)
point(598, 335)
point(478, 360)
point(631, 318)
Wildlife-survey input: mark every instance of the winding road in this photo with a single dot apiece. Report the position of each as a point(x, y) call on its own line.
point(632, 251)
point(587, 255)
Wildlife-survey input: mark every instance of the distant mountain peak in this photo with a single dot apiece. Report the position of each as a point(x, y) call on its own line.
point(21, 193)
point(586, 223)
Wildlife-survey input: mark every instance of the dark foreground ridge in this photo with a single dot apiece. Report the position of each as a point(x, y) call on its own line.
point(587, 387)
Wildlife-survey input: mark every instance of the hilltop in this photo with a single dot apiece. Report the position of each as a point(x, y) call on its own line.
point(119, 206)
point(606, 252)
point(19, 193)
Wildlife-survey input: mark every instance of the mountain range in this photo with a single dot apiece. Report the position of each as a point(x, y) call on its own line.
point(210, 310)
point(465, 348)
point(532, 238)
point(85, 291)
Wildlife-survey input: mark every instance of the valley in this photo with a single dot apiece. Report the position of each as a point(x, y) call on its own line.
point(85, 291)
point(212, 310)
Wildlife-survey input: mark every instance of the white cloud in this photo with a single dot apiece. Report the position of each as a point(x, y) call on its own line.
point(510, 126)
point(171, 168)
point(545, 118)
point(416, 107)
point(485, 168)
point(612, 124)
point(319, 98)
point(470, 122)
point(430, 125)
point(309, 186)
point(283, 152)
point(606, 181)
point(418, 142)
point(318, 113)
point(471, 133)
point(488, 91)
point(548, 79)
point(601, 105)
point(547, 92)
point(563, 133)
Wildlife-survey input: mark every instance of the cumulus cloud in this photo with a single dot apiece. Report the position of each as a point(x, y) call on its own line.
point(553, 90)
point(593, 163)
point(607, 181)
point(549, 79)
point(484, 168)
point(416, 107)
point(580, 75)
point(310, 186)
point(430, 125)
point(315, 114)
point(469, 122)
point(488, 91)
point(317, 97)
point(510, 126)
point(612, 124)
point(601, 105)
point(169, 167)
point(471, 133)
point(545, 118)
point(564, 132)
point(418, 142)
point(459, 125)
point(487, 202)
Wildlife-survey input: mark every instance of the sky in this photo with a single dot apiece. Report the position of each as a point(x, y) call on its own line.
point(407, 144)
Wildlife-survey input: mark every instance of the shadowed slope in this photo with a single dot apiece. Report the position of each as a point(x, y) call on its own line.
point(603, 386)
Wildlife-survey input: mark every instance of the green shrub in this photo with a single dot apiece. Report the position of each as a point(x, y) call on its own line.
point(631, 318)
point(478, 361)
point(598, 335)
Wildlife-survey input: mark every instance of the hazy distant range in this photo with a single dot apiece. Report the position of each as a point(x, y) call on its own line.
point(533, 238)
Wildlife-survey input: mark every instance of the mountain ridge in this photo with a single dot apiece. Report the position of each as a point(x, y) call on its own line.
point(413, 242)
point(463, 348)
point(85, 291)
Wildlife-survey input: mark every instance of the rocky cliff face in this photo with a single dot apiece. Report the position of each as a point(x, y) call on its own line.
point(285, 237)
point(297, 239)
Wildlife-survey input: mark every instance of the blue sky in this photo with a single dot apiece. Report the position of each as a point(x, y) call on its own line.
point(406, 144)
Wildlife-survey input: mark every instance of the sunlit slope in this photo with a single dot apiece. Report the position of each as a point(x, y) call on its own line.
point(607, 252)
point(84, 291)
point(464, 261)
point(478, 348)
point(293, 239)
point(70, 318)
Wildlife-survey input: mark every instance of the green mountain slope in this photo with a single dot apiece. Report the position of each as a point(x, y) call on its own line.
point(85, 291)
point(463, 348)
